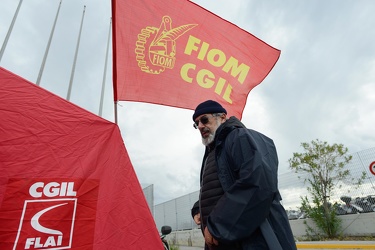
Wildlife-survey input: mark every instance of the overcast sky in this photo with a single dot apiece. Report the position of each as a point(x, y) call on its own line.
point(322, 87)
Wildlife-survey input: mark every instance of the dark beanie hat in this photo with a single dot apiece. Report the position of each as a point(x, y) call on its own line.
point(208, 107)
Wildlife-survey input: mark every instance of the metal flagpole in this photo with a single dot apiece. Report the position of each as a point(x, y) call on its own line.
point(75, 56)
point(10, 30)
point(105, 70)
point(47, 49)
point(116, 112)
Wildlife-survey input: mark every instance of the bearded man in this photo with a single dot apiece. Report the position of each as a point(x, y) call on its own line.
point(239, 201)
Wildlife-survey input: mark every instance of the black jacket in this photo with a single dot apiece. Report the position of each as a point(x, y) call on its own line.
point(247, 166)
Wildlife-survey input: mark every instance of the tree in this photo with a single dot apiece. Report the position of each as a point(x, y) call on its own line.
point(323, 166)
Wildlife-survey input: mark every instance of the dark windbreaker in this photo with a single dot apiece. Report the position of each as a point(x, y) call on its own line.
point(247, 168)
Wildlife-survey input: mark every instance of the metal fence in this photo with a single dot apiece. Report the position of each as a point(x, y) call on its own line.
point(177, 212)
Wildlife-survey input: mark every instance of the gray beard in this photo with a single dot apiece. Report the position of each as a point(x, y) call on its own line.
point(207, 141)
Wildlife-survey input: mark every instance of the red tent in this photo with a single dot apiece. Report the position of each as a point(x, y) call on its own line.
point(66, 180)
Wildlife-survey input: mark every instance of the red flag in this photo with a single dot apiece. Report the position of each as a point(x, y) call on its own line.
point(66, 180)
point(175, 53)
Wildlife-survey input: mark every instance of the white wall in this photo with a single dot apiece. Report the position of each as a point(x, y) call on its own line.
point(352, 225)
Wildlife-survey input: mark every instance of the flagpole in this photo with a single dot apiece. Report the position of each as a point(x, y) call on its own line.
point(105, 70)
point(75, 56)
point(114, 71)
point(116, 112)
point(10, 30)
point(47, 49)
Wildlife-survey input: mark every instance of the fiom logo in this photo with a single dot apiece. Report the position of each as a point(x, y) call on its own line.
point(156, 47)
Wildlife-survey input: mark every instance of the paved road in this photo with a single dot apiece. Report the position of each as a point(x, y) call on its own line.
point(190, 248)
point(321, 245)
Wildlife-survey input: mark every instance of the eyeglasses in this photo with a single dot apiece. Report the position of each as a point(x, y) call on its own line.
point(204, 120)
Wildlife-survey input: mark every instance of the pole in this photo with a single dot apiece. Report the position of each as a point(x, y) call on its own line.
point(116, 112)
point(10, 30)
point(105, 70)
point(47, 49)
point(75, 56)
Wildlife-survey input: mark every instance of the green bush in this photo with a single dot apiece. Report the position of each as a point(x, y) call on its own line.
point(323, 166)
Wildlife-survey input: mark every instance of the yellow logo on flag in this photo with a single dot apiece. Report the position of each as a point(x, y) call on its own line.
point(156, 47)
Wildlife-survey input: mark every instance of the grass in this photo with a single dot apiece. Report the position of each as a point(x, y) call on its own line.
point(173, 247)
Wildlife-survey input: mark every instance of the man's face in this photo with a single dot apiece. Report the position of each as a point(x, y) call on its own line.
point(207, 125)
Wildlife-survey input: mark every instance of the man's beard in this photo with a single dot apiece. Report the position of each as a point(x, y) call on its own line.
point(207, 141)
point(211, 137)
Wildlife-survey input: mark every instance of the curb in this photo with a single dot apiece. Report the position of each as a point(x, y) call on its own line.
point(334, 246)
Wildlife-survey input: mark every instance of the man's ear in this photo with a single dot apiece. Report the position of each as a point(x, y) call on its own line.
point(223, 117)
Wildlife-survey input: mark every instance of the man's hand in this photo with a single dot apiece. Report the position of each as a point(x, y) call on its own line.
point(197, 218)
point(209, 239)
